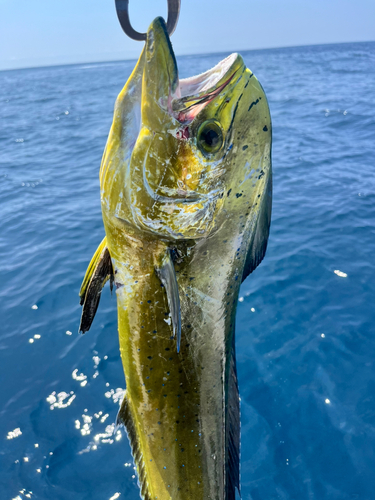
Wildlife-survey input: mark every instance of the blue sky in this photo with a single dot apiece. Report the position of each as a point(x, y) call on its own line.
point(46, 32)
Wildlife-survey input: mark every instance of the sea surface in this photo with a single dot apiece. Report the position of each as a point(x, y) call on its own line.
point(305, 329)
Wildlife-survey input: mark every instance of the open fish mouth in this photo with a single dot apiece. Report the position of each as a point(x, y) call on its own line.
point(197, 91)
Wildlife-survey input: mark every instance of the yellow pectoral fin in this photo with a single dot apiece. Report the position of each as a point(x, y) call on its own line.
point(98, 273)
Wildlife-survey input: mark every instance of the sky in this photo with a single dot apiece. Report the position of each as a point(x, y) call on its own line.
point(50, 32)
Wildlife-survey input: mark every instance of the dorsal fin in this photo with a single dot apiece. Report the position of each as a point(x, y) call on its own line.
point(98, 273)
point(124, 417)
point(258, 244)
point(232, 424)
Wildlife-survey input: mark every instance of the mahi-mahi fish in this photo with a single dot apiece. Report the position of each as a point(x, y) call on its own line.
point(186, 192)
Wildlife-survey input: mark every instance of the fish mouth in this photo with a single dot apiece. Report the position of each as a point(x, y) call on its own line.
point(204, 82)
point(197, 91)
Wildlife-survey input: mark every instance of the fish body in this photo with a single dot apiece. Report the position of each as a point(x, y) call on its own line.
point(186, 200)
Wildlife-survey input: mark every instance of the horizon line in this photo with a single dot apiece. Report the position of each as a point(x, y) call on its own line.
point(43, 66)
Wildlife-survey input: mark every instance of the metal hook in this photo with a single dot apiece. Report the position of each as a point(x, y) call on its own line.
point(122, 8)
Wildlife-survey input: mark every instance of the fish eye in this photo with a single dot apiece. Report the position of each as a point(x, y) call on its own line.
point(210, 137)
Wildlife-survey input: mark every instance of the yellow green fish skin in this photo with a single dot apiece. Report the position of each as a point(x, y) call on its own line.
point(161, 192)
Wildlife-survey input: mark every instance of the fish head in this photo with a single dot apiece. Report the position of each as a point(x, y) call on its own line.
point(183, 152)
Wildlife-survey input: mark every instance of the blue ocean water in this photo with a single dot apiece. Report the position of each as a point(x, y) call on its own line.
point(305, 322)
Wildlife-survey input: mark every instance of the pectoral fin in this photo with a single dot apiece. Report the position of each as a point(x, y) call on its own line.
point(98, 273)
point(167, 276)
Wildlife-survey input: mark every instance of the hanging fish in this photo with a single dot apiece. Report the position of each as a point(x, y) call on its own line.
point(186, 199)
